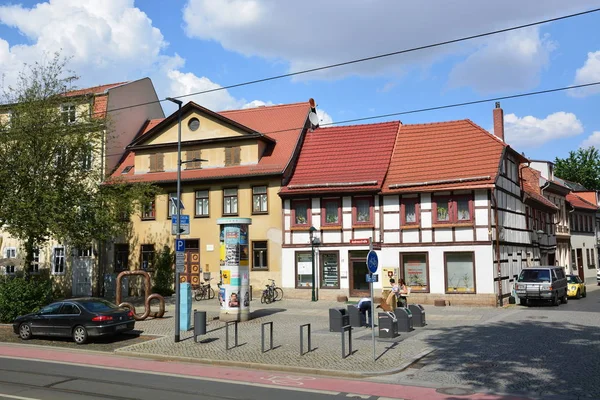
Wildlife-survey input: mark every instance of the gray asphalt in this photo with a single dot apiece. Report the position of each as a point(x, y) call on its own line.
point(540, 351)
point(25, 379)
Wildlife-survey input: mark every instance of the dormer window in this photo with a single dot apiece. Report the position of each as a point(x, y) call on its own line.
point(68, 113)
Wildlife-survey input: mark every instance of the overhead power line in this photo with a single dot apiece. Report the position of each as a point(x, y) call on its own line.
point(375, 57)
point(434, 108)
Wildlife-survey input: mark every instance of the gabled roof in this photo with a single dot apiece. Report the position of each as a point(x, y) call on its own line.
point(580, 203)
point(443, 156)
point(342, 159)
point(288, 120)
point(531, 187)
point(589, 196)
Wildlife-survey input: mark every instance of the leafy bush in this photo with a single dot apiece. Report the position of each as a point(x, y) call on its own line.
point(21, 295)
point(163, 272)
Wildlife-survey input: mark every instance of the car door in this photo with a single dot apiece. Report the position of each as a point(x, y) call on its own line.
point(44, 322)
point(65, 320)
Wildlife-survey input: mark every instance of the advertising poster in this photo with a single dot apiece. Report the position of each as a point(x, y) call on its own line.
point(234, 269)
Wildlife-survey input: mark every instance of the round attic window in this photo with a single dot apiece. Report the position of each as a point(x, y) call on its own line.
point(194, 124)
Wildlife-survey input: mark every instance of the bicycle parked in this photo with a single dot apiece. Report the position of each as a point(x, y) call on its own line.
point(204, 291)
point(271, 293)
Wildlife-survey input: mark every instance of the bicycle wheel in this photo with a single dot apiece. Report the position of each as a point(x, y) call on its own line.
point(278, 294)
point(198, 295)
point(211, 293)
point(263, 298)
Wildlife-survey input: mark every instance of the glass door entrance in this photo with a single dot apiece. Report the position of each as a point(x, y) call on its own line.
point(358, 278)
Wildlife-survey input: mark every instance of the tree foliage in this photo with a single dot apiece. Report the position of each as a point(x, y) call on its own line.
point(163, 272)
point(20, 295)
point(51, 180)
point(581, 166)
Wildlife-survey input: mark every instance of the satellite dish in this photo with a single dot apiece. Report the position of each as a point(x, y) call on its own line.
point(313, 118)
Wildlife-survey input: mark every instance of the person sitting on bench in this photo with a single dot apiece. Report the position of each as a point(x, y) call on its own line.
point(364, 306)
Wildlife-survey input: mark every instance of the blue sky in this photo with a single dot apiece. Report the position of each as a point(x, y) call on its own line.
point(193, 45)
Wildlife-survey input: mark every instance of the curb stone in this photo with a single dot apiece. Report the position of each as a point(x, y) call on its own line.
point(280, 368)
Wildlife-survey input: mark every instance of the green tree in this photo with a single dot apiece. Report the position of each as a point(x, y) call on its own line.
point(163, 272)
point(581, 166)
point(51, 180)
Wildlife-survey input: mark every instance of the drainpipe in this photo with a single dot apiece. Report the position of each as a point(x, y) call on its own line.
point(499, 265)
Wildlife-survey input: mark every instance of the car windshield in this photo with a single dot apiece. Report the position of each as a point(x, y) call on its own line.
point(534, 275)
point(572, 279)
point(98, 305)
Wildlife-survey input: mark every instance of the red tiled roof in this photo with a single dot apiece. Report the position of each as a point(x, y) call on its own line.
point(590, 197)
point(100, 105)
point(345, 158)
point(283, 123)
point(443, 155)
point(531, 187)
point(578, 202)
point(93, 90)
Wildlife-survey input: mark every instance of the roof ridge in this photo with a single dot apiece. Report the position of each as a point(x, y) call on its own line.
point(359, 125)
point(437, 123)
point(264, 106)
point(97, 86)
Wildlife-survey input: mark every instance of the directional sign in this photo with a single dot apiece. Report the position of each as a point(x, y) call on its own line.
point(372, 261)
point(184, 225)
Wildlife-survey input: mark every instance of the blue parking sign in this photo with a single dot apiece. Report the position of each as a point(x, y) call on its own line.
point(179, 245)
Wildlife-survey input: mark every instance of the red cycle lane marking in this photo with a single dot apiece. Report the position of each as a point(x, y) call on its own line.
point(237, 375)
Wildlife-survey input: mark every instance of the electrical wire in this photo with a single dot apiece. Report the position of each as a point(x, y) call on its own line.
point(359, 60)
point(434, 108)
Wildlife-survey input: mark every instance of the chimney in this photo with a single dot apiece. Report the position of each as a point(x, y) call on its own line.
point(499, 122)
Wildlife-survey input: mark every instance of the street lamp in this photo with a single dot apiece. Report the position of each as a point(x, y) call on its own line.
point(313, 241)
point(178, 232)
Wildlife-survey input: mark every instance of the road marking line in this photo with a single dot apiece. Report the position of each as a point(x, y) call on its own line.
point(200, 378)
point(10, 396)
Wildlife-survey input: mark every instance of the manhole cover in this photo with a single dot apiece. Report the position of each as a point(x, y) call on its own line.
point(455, 391)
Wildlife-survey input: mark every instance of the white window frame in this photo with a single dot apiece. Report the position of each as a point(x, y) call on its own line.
point(10, 252)
point(54, 259)
point(70, 110)
point(35, 261)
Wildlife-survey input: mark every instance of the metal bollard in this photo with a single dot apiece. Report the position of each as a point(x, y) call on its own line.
point(345, 329)
point(235, 344)
point(262, 336)
point(302, 339)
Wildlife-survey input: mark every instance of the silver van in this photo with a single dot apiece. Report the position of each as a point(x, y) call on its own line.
point(542, 283)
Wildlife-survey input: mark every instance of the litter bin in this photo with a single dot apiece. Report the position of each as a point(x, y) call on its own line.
point(404, 318)
point(357, 319)
point(418, 313)
point(199, 324)
point(388, 328)
point(338, 318)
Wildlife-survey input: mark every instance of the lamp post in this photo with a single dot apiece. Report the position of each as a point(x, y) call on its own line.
point(311, 233)
point(178, 232)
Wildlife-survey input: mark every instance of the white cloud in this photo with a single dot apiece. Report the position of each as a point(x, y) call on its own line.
point(257, 103)
point(592, 140)
point(505, 63)
point(109, 40)
point(530, 131)
point(590, 72)
point(313, 33)
point(324, 118)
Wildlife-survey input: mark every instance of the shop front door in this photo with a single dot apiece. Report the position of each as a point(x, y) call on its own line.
point(358, 282)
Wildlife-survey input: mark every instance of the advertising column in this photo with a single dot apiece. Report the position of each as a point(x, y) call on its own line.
point(234, 294)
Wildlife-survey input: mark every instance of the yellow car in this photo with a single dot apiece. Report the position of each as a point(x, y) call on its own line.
point(575, 287)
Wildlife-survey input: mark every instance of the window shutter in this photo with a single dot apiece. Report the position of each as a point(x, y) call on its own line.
point(236, 155)
point(189, 155)
point(152, 162)
point(228, 154)
point(160, 162)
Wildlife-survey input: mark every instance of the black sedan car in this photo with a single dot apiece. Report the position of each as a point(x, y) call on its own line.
point(76, 318)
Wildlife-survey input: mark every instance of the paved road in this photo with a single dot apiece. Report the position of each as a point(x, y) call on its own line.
point(540, 350)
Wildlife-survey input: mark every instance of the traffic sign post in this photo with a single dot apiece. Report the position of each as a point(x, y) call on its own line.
point(184, 225)
point(179, 255)
point(372, 265)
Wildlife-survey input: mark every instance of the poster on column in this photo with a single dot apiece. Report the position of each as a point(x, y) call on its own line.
point(234, 294)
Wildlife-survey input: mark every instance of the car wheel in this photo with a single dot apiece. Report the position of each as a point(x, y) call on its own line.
point(524, 302)
point(578, 294)
point(555, 300)
point(25, 331)
point(80, 335)
point(584, 292)
point(565, 298)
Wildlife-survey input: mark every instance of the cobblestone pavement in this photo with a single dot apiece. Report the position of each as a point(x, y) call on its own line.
point(541, 350)
point(287, 316)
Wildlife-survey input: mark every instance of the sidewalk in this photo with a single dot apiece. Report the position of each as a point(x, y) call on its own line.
point(392, 355)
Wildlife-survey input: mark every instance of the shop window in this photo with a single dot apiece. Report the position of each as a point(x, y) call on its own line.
point(303, 270)
point(415, 271)
point(459, 270)
point(330, 270)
